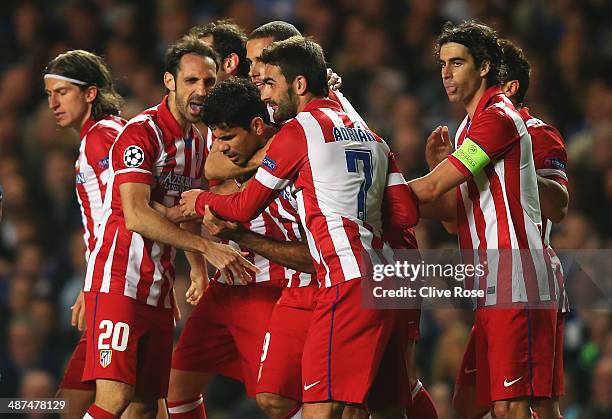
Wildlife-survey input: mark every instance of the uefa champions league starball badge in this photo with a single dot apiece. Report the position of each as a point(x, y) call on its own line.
point(133, 156)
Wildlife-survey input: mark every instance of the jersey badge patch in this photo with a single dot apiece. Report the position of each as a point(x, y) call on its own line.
point(133, 156)
point(269, 163)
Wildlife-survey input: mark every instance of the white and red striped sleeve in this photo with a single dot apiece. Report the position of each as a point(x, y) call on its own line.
point(134, 153)
point(549, 154)
point(494, 132)
point(286, 156)
point(401, 209)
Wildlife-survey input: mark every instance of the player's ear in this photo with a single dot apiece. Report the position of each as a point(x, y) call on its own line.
point(230, 63)
point(169, 81)
point(91, 93)
point(300, 85)
point(510, 88)
point(258, 125)
point(484, 68)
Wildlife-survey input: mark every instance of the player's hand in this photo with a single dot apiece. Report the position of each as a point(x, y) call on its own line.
point(187, 203)
point(199, 283)
point(438, 147)
point(222, 229)
point(334, 81)
point(230, 262)
point(78, 313)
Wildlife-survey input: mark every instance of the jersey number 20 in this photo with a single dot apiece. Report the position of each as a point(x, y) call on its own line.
point(117, 332)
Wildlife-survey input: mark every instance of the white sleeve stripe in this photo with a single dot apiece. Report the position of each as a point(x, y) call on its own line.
point(269, 180)
point(131, 170)
point(551, 172)
point(395, 179)
point(185, 407)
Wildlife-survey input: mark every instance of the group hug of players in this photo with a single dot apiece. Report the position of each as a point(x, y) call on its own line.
point(299, 190)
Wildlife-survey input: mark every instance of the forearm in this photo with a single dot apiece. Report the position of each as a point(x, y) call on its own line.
point(443, 209)
point(154, 226)
point(292, 254)
point(197, 263)
point(554, 199)
point(219, 167)
point(242, 206)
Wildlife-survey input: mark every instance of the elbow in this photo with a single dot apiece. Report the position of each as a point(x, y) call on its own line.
point(559, 215)
point(307, 267)
point(132, 222)
point(430, 194)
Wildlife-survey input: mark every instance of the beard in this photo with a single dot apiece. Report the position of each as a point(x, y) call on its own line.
point(287, 106)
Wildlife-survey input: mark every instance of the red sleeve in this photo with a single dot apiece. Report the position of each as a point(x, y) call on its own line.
point(549, 155)
point(97, 147)
point(134, 154)
point(494, 132)
point(286, 156)
point(400, 209)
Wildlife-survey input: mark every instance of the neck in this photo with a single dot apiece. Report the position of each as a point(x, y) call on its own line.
point(305, 100)
point(472, 102)
point(182, 121)
point(85, 118)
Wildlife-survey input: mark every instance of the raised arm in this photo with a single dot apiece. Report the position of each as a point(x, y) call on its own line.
point(279, 168)
point(219, 167)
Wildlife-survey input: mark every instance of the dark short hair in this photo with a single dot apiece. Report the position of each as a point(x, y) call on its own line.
point(228, 38)
point(91, 69)
point(299, 56)
point(482, 43)
point(517, 68)
point(277, 30)
point(234, 103)
point(188, 45)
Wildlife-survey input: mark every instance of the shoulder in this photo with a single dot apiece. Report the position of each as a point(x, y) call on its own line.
point(497, 119)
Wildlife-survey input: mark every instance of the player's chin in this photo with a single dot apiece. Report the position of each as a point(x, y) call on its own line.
point(193, 117)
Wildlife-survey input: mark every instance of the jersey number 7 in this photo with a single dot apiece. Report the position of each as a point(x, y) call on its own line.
point(365, 156)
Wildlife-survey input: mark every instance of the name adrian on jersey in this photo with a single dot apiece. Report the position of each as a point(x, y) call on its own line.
point(352, 134)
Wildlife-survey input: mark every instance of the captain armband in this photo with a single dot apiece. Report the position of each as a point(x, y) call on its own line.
point(472, 156)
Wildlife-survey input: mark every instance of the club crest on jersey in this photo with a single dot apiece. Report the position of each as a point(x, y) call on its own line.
point(352, 134)
point(80, 178)
point(106, 357)
point(133, 156)
point(269, 163)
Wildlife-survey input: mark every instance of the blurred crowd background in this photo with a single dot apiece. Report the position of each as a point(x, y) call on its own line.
point(383, 51)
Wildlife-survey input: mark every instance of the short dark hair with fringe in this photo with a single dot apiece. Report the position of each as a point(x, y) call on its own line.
point(299, 56)
point(234, 103)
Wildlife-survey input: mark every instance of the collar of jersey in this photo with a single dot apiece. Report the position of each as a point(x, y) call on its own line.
point(524, 113)
point(321, 103)
point(486, 98)
point(87, 126)
point(167, 119)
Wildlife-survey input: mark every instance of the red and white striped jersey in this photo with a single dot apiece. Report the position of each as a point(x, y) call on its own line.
point(278, 221)
point(91, 169)
point(499, 208)
point(339, 172)
point(151, 149)
point(550, 159)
